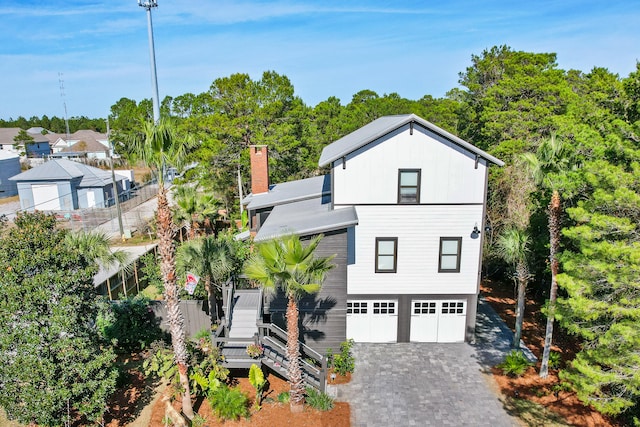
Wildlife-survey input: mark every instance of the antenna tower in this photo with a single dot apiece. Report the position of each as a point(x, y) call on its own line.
point(66, 119)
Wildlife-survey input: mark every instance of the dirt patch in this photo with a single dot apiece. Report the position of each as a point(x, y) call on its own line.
point(546, 392)
point(272, 413)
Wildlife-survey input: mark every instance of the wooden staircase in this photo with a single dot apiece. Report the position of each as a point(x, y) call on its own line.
point(242, 325)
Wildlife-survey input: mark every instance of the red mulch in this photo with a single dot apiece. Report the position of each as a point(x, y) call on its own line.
point(272, 414)
point(530, 386)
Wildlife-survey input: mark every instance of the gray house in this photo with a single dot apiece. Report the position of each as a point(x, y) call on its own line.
point(64, 185)
point(402, 208)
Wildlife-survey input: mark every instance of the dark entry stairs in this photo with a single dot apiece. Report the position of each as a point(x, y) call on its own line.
point(242, 325)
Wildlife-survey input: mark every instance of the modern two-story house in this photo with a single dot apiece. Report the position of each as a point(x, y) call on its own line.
point(403, 207)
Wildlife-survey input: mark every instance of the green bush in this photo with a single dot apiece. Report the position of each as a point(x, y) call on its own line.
point(229, 403)
point(515, 363)
point(283, 397)
point(344, 362)
point(555, 360)
point(318, 400)
point(129, 324)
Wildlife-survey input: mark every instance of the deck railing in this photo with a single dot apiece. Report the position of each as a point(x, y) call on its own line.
point(312, 363)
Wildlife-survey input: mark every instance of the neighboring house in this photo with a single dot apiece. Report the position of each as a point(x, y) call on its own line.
point(83, 143)
point(39, 148)
point(403, 207)
point(66, 185)
point(9, 166)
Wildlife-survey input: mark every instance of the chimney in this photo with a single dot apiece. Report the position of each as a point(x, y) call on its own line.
point(259, 169)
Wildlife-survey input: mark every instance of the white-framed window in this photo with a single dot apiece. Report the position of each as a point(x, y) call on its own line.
point(449, 254)
point(386, 254)
point(384, 307)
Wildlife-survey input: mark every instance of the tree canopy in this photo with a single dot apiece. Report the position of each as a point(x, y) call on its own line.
point(51, 359)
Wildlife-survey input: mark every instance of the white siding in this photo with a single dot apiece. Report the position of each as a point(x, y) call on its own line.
point(371, 173)
point(418, 229)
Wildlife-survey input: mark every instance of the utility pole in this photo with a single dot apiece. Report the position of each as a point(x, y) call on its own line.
point(115, 185)
point(148, 4)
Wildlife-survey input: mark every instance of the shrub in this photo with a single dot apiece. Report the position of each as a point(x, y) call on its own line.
point(283, 397)
point(129, 324)
point(555, 360)
point(515, 363)
point(198, 421)
point(344, 362)
point(229, 403)
point(318, 400)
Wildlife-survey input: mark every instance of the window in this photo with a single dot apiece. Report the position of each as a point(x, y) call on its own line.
point(409, 186)
point(453, 307)
point(386, 254)
point(449, 255)
point(424, 307)
point(384, 307)
point(356, 307)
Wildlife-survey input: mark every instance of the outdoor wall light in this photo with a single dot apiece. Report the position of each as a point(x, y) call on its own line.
point(475, 233)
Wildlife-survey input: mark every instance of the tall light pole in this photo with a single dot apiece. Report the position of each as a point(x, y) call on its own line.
point(148, 4)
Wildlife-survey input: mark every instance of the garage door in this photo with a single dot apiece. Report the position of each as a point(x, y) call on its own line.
point(372, 321)
point(45, 197)
point(438, 321)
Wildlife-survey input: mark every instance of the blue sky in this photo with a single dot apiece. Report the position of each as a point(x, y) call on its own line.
point(326, 48)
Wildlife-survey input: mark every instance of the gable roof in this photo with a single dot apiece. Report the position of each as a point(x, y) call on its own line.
point(86, 146)
point(7, 135)
point(383, 126)
point(66, 170)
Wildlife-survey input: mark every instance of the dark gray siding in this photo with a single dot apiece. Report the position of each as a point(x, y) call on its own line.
point(323, 322)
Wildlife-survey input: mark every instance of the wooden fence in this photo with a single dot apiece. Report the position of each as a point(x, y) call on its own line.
point(196, 315)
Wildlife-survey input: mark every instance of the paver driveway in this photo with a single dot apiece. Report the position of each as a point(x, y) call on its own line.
point(426, 384)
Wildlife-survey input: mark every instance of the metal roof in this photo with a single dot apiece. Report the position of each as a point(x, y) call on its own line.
point(289, 192)
point(306, 217)
point(383, 126)
point(66, 170)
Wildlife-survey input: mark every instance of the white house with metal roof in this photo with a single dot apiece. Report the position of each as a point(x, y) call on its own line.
point(404, 208)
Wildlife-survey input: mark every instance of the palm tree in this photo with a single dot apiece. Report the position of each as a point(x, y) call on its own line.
point(513, 247)
point(286, 264)
point(159, 146)
point(212, 259)
point(95, 245)
point(550, 161)
point(193, 207)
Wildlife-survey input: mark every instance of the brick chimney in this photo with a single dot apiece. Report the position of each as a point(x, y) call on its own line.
point(259, 169)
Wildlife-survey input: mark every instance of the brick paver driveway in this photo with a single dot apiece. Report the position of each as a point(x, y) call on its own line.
point(425, 384)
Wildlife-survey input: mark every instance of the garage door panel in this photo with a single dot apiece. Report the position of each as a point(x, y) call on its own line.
point(452, 321)
point(424, 321)
point(438, 321)
point(372, 321)
point(45, 197)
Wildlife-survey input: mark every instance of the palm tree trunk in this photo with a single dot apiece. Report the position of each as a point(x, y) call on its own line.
point(296, 391)
point(554, 243)
point(213, 307)
point(174, 315)
point(522, 275)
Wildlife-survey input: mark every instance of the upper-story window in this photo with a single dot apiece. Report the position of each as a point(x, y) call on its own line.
point(386, 254)
point(450, 249)
point(409, 186)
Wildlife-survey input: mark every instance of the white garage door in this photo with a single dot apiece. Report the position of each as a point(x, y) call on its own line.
point(438, 321)
point(45, 197)
point(372, 321)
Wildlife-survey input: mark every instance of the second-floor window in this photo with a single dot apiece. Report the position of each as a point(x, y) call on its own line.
point(450, 249)
point(409, 186)
point(386, 254)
